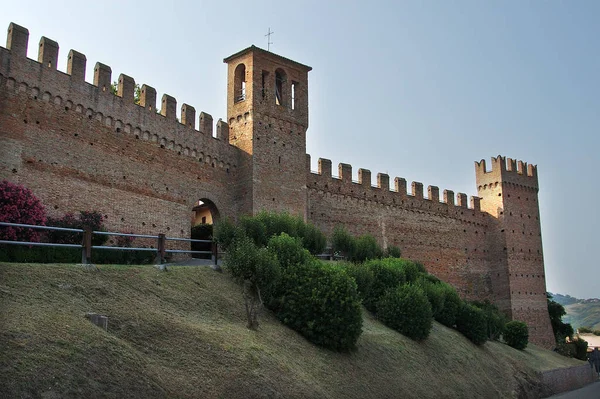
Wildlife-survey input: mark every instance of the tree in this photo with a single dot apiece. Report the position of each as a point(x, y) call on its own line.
point(561, 330)
point(137, 90)
point(19, 205)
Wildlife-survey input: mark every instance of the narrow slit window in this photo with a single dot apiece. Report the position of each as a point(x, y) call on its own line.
point(265, 75)
point(239, 85)
point(279, 86)
point(294, 86)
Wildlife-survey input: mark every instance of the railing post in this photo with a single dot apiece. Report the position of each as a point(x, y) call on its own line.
point(215, 252)
point(160, 253)
point(86, 246)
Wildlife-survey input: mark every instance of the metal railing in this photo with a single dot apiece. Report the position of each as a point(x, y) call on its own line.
point(86, 244)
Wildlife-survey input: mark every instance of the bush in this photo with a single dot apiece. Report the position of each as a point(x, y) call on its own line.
point(321, 302)
point(225, 232)
point(342, 241)
point(435, 294)
point(387, 274)
point(366, 248)
point(407, 310)
point(495, 320)
point(203, 231)
point(313, 239)
point(362, 275)
point(288, 250)
point(93, 220)
point(471, 323)
point(392, 252)
point(452, 304)
point(19, 205)
point(581, 346)
point(516, 334)
point(413, 270)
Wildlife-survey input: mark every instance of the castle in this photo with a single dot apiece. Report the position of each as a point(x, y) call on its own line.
point(78, 146)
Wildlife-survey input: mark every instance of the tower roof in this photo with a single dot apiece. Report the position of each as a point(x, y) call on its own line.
point(253, 48)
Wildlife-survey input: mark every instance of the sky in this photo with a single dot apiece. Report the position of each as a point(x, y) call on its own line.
point(415, 89)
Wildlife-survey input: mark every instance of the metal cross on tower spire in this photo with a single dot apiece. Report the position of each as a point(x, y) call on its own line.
point(269, 42)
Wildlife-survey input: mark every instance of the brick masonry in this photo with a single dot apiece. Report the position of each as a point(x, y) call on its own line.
point(80, 147)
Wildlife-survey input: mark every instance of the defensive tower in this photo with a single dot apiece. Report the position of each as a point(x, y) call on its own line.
point(509, 192)
point(267, 109)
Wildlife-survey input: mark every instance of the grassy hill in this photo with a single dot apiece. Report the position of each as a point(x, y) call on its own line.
point(580, 312)
point(182, 333)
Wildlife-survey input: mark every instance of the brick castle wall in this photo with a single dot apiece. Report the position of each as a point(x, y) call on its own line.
point(80, 147)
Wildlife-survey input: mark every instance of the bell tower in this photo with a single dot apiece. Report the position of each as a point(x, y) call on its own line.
point(267, 112)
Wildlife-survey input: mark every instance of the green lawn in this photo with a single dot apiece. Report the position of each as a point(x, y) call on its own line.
point(182, 333)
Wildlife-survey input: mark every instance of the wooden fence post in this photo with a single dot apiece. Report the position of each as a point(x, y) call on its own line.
point(160, 253)
point(86, 246)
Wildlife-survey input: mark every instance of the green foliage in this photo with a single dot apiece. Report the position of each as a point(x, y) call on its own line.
point(387, 274)
point(435, 292)
point(366, 248)
point(392, 252)
point(137, 91)
point(225, 232)
point(452, 305)
point(318, 300)
point(561, 330)
point(413, 270)
point(407, 310)
point(321, 302)
point(471, 322)
point(246, 261)
point(516, 334)
point(342, 241)
point(255, 229)
point(313, 239)
point(363, 276)
point(495, 320)
point(289, 251)
point(581, 346)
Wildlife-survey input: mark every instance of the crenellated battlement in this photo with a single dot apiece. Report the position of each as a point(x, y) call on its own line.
point(363, 189)
point(506, 170)
point(41, 80)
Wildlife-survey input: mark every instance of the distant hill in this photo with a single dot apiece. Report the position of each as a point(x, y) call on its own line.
point(580, 312)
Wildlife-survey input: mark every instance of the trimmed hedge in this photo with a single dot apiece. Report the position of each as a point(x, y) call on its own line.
point(471, 323)
point(387, 274)
point(452, 303)
point(321, 302)
point(516, 334)
point(407, 310)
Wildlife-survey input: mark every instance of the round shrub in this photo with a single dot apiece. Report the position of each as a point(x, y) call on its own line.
point(313, 239)
point(452, 303)
point(342, 241)
point(471, 323)
point(321, 302)
point(362, 275)
point(495, 320)
point(288, 250)
point(387, 274)
point(516, 334)
point(225, 232)
point(407, 310)
point(245, 261)
point(392, 252)
point(435, 294)
point(366, 248)
point(19, 205)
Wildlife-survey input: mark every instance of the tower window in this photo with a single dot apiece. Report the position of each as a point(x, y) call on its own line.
point(279, 86)
point(265, 75)
point(294, 86)
point(239, 85)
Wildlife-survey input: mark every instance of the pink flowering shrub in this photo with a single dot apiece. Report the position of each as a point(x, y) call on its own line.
point(19, 205)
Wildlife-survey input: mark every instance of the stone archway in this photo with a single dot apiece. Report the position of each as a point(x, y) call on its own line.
point(204, 215)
